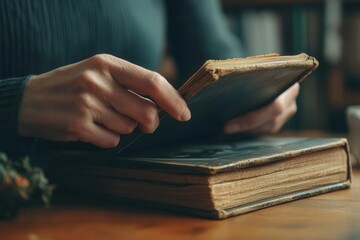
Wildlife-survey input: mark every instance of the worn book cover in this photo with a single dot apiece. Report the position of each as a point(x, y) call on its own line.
point(221, 90)
point(217, 180)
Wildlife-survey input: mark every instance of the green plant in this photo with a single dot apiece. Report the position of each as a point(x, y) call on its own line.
point(20, 184)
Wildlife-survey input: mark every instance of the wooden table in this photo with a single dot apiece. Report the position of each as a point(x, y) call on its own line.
point(330, 216)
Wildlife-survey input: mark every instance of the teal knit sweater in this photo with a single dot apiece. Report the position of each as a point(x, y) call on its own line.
point(40, 35)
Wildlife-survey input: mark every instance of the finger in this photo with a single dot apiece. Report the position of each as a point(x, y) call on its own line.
point(114, 121)
point(265, 114)
point(277, 123)
point(253, 119)
point(99, 136)
point(293, 92)
point(136, 107)
point(82, 126)
point(149, 83)
point(106, 94)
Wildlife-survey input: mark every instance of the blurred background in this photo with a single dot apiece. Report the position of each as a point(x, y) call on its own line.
point(326, 29)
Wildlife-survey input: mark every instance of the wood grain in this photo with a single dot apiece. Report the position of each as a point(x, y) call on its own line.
point(330, 216)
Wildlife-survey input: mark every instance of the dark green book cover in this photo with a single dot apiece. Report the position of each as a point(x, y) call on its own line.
point(217, 180)
point(222, 90)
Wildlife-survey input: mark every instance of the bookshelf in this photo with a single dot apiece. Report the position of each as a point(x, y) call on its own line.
point(257, 3)
point(241, 3)
point(326, 29)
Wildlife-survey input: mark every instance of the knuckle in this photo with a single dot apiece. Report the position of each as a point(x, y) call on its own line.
point(149, 114)
point(86, 81)
point(150, 118)
point(99, 61)
point(155, 83)
point(83, 103)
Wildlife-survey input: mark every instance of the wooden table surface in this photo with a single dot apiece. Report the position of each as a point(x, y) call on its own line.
point(330, 216)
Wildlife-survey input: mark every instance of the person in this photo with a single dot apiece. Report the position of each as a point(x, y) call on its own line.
point(86, 70)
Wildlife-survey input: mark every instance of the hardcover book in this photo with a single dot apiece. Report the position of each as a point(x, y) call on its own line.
point(187, 167)
point(216, 180)
point(221, 90)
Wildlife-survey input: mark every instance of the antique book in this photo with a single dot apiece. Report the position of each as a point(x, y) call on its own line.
point(192, 168)
point(214, 180)
point(221, 90)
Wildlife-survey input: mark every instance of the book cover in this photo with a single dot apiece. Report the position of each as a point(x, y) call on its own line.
point(221, 90)
point(217, 180)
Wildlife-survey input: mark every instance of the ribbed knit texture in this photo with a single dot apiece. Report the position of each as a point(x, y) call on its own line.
point(10, 92)
point(10, 96)
point(41, 35)
point(37, 36)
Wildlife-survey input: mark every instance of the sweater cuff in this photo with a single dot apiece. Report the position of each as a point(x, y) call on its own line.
point(11, 92)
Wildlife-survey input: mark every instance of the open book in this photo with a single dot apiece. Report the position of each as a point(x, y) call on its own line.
point(185, 167)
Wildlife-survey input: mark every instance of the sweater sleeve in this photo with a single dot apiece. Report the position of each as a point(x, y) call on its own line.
point(11, 91)
point(198, 31)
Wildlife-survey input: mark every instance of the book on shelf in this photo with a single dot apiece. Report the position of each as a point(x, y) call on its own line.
point(187, 167)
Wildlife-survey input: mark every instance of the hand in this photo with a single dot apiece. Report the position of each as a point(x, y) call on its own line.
point(96, 101)
point(268, 119)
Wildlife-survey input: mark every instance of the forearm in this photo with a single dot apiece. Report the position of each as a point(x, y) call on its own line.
point(11, 90)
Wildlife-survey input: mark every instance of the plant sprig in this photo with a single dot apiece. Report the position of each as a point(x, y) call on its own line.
point(20, 184)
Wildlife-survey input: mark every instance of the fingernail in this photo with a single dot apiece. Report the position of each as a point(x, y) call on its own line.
point(185, 115)
point(232, 128)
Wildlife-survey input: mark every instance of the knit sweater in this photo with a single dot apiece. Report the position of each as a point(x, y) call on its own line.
point(40, 35)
